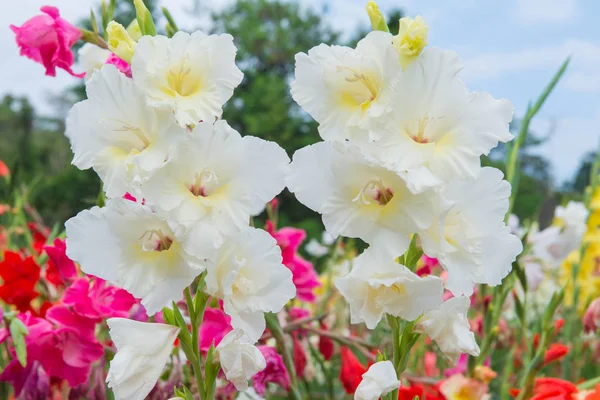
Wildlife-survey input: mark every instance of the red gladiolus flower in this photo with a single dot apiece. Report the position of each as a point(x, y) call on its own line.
point(351, 371)
point(555, 352)
point(4, 171)
point(19, 276)
point(40, 235)
point(424, 392)
point(47, 39)
point(325, 344)
point(551, 389)
point(299, 357)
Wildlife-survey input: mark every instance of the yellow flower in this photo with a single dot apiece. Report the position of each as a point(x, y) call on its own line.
point(588, 276)
point(411, 39)
point(119, 41)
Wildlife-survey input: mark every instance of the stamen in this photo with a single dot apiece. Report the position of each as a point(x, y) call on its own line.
point(360, 77)
point(155, 240)
point(201, 179)
point(374, 190)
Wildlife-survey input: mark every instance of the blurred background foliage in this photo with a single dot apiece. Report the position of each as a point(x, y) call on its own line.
point(268, 34)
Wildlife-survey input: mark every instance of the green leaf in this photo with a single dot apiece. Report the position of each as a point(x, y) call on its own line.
point(413, 254)
point(211, 371)
point(168, 316)
point(519, 309)
point(93, 21)
point(105, 17)
point(170, 19)
point(18, 331)
point(144, 18)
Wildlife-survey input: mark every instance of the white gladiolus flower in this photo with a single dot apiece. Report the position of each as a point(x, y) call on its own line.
point(449, 327)
point(117, 134)
point(574, 215)
point(240, 359)
point(316, 249)
point(218, 178)
point(142, 352)
point(345, 89)
point(127, 243)
point(193, 75)
point(379, 380)
point(92, 58)
point(438, 124)
point(553, 244)
point(378, 285)
point(248, 275)
point(471, 240)
point(357, 196)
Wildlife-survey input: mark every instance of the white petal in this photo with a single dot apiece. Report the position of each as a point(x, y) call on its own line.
point(142, 352)
point(193, 75)
point(379, 380)
point(91, 243)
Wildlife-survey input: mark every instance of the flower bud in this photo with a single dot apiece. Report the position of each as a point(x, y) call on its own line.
point(591, 319)
point(144, 18)
point(119, 41)
point(134, 30)
point(377, 19)
point(411, 39)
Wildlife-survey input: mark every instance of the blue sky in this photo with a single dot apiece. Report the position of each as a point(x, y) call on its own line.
point(510, 48)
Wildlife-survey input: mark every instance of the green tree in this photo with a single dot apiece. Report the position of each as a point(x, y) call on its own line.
point(268, 34)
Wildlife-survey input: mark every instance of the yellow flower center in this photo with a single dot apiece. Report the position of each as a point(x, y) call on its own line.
point(182, 81)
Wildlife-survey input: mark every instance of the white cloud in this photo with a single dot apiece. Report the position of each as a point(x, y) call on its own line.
point(544, 11)
point(585, 57)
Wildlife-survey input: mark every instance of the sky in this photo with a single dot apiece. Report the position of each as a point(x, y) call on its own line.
point(510, 48)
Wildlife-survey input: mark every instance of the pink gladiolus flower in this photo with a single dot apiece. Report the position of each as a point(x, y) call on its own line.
point(57, 254)
point(67, 353)
point(14, 373)
point(64, 316)
point(591, 319)
point(274, 372)
point(304, 276)
point(122, 66)
point(215, 325)
point(31, 379)
point(97, 300)
point(459, 368)
point(47, 39)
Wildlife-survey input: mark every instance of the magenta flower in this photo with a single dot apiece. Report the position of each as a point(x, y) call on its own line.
point(97, 300)
point(57, 254)
point(14, 373)
point(304, 276)
point(215, 325)
point(125, 68)
point(274, 372)
point(47, 39)
point(66, 353)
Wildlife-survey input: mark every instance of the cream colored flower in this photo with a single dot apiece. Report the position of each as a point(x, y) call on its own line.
point(378, 285)
point(379, 380)
point(142, 352)
point(240, 359)
point(449, 327)
point(192, 75)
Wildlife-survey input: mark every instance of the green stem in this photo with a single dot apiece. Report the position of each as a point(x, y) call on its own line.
point(288, 360)
point(589, 384)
